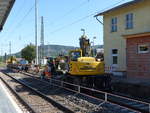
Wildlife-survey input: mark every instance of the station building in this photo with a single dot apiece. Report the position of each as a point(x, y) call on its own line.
point(127, 39)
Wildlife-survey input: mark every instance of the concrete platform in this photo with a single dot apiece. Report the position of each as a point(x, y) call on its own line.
point(7, 104)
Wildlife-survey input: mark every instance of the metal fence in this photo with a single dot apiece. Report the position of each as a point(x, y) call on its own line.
point(124, 102)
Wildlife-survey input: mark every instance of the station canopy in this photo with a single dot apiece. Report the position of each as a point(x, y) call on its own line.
point(5, 8)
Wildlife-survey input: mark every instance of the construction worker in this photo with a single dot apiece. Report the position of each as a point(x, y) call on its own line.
point(48, 71)
point(48, 68)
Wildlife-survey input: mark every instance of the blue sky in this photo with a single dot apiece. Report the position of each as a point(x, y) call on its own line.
point(63, 21)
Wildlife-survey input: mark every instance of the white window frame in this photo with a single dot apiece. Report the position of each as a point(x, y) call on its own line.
point(139, 51)
point(129, 22)
point(114, 26)
point(112, 55)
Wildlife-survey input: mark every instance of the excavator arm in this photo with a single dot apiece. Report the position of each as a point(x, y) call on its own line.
point(85, 45)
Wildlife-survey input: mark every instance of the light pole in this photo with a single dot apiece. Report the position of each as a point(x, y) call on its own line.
point(2, 53)
point(93, 44)
point(36, 35)
point(83, 31)
point(93, 40)
point(10, 48)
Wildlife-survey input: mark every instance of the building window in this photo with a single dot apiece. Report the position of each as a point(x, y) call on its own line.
point(143, 48)
point(129, 21)
point(115, 56)
point(114, 24)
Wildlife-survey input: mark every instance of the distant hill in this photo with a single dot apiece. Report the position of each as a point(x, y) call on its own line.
point(18, 54)
point(55, 50)
point(98, 46)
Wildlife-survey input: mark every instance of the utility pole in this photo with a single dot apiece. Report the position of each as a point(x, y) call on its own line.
point(10, 49)
point(42, 41)
point(5, 57)
point(1, 54)
point(48, 49)
point(93, 40)
point(93, 46)
point(36, 34)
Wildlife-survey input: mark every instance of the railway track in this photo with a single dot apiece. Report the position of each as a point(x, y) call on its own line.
point(61, 96)
point(34, 101)
point(24, 106)
point(123, 102)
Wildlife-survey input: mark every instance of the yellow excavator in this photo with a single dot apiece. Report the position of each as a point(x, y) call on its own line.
point(85, 69)
point(11, 60)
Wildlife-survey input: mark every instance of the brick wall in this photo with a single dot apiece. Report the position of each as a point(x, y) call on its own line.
point(138, 65)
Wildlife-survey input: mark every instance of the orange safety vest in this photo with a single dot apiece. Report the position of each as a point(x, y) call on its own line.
point(48, 74)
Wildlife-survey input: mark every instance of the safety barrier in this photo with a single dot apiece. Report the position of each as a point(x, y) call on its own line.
point(105, 96)
point(102, 96)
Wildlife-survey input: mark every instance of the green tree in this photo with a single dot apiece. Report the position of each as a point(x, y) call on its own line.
point(0, 58)
point(28, 52)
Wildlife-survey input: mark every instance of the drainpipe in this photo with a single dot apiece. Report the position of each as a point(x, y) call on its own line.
point(99, 20)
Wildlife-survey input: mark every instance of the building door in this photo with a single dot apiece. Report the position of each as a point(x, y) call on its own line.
point(114, 59)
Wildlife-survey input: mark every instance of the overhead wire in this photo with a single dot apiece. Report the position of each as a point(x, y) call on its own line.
point(24, 17)
point(71, 10)
point(19, 24)
point(85, 17)
point(112, 5)
point(70, 24)
point(18, 12)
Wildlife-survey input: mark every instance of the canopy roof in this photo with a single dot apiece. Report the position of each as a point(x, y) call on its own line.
point(140, 35)
point(5, 8)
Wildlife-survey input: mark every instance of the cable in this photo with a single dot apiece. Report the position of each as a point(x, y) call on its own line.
point(19, 24)
point(71, 10)
point(83, 18)
point(18, 12)
point(111, 6)
point(68, 25)
point(24, 17)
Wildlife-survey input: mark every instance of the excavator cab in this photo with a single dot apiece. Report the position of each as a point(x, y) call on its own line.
point(75, 54)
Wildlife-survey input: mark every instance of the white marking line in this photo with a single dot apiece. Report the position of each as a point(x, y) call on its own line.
point(10, 98)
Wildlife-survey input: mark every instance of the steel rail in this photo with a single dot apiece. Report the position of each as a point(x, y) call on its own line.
point(125, 105)
point(91, 89)
point(21, 100)
point(53, 102)
point(110, 100)
point(96, 98)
